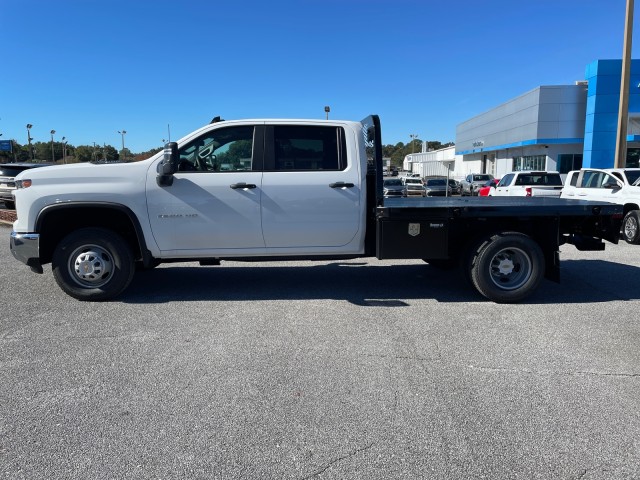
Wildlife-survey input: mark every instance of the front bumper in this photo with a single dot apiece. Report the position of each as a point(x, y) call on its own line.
point(25, 247)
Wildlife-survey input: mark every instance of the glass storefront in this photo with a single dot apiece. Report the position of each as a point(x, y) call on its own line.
point(530, 162)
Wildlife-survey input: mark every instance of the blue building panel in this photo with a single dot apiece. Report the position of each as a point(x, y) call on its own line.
point(605, 122)
point(607, 103)
point(603, 102)
point(598, 158)
point(604, 84)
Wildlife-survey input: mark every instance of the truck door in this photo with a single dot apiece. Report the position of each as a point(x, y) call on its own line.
point(311, 192)
point(213, 203)
point(598, 185)
point(502, 188)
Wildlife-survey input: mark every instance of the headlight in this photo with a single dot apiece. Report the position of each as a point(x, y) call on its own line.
point(26, 183)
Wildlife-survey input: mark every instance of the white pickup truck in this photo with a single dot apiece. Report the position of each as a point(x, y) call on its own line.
point(271, 189)
point(616, 185)
point(528, 184)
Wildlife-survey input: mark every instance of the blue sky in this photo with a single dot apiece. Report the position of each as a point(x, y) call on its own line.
point(88, 68)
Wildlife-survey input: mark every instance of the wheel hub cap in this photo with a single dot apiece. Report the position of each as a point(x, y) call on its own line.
point(505, 267)
point(92, 267)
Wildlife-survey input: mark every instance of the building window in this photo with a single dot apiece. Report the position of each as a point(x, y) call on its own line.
point(569, 161)
point(633, 157)
point(531, 162)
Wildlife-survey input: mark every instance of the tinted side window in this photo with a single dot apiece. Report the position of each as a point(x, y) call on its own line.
point(304, 148)
point(574, 179)
point(591, 179)
point(221, 150)
point(506, 180)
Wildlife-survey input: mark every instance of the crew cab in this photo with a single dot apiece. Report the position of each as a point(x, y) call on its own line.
point(616, 185)
point(528, 184)
point(272, 189)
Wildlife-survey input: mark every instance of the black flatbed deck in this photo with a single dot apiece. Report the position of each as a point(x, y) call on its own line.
point(495, 207)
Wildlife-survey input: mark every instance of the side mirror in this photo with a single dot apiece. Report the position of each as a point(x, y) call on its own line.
point(611, 185)
point(169, 165)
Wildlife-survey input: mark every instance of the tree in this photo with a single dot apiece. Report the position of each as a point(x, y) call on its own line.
point(84, 153)
point(125, 155)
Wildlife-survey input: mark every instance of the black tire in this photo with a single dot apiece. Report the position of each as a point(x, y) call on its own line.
point(508, 267)
point(631, 227)
point(93, 264)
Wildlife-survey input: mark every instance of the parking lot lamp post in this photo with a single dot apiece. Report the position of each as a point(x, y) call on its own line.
point(29, 140)
point(413, 141)
point(53, 158)
point(327, 109)
point(64, 149)
point(123, 133)
point(620, 156)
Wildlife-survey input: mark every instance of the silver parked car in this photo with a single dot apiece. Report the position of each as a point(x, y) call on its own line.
point(437, 187)
point(393, 187)
point(473, 182)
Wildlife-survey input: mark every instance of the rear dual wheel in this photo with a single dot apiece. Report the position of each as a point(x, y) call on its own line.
point(507, 267)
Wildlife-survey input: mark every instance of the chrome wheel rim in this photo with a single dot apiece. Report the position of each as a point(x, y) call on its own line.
point(91, 266)
point(510, 268)
point(630, 227)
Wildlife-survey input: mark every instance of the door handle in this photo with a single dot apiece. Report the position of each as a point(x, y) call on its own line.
point(242, 185)
point(341, 185)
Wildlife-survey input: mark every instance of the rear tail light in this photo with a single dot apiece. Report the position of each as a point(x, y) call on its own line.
point(528, 191)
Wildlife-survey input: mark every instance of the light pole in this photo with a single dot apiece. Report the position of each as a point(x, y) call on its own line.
point(620, 158)
point(327, 109)
point(64, 150)
point(29, 140)
point(413, 143)
point(123, 133)
point(53, 158)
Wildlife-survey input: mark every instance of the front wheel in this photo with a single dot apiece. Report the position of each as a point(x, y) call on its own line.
point(631, 227)
point(508, 267)
point(93, 264)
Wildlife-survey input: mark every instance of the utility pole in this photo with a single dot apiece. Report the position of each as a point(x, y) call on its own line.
point(623, 111)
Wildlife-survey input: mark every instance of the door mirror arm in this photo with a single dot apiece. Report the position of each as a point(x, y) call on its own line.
point(169, 165)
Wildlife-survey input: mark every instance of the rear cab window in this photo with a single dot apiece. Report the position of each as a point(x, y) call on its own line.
point(305, 148)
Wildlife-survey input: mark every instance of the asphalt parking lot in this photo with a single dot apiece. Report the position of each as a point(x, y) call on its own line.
point(358, 369)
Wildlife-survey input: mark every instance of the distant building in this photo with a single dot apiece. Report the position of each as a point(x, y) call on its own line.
point(561, 127)
point(435, 163)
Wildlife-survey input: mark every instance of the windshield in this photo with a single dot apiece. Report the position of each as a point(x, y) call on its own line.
point(436, 182)
point(393, 183)
point(413, 181)
point(482, 178)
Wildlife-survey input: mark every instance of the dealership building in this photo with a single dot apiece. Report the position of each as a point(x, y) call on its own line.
point(559, 127)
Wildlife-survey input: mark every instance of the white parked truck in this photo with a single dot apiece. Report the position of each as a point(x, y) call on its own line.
point(528, 184)
point(616, 185)
point(272, 189)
